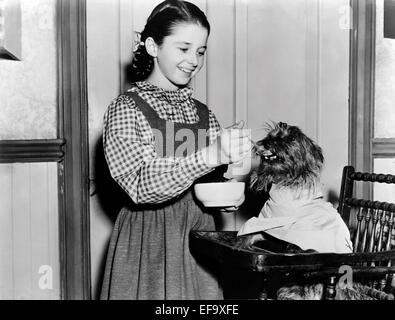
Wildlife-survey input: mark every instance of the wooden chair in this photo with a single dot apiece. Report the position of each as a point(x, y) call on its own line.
point(372, 224)
point(372, 263)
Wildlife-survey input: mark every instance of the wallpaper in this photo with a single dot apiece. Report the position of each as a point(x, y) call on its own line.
point(28, 88)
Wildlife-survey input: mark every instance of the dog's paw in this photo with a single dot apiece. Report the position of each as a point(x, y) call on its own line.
point(293, 248)
point(247, 241)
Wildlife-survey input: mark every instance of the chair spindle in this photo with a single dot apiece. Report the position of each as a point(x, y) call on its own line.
point(390, 228)
point(368, 216)
point(389, 276)
point(374, 230)
point(356, 238)
point(330, 293)
point(383, 219)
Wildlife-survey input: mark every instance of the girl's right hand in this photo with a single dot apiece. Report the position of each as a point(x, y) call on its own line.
point(232, 145)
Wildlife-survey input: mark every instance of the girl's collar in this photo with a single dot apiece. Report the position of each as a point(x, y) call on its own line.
point(174, 96)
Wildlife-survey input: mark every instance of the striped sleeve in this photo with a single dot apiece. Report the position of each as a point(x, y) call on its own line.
point(214, 127)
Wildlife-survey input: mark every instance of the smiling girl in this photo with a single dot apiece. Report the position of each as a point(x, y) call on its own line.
point(149, 255)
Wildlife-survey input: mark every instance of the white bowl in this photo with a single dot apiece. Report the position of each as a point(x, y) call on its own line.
point(220, 194)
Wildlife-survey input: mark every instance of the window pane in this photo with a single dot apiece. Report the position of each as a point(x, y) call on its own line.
point(382, 191)
point(385, 79)
point(28, 88)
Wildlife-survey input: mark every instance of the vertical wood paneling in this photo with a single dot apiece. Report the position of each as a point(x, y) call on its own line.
point(141, 11)
point(109, 46)
point(312, 67)
point(22, 234)
point(220, 84)
point(103, 61)
point(333, 110)
point(29, 230)
point(125, 38)
point(199, 83)
point(53, 229)
point(241, 54)
point(241, 79)
point(39, 224)
point(276, 62)
point(6, 234)
point(220, 61)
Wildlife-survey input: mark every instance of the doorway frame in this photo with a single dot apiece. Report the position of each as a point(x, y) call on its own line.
point(73, 169)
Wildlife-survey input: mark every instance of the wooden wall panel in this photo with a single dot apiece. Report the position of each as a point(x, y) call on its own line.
point(276, 62)
point(241, 61)
point(312, 68)
point(332, 107)
point(21, 231)
point(220, 85)
point(6, 234)
point(53, 229)
point(39, 219)
point(29, 231)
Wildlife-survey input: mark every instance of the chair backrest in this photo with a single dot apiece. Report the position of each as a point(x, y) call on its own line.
point(372, 223)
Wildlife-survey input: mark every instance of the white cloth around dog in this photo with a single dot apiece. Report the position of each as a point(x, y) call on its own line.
point(303, 218)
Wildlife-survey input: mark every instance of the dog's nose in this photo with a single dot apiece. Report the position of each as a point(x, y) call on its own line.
point(283, 125)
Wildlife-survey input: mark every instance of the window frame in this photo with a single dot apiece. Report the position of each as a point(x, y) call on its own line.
point(363, 146)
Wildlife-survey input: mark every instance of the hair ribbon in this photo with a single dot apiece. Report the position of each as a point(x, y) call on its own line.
point(137, 41)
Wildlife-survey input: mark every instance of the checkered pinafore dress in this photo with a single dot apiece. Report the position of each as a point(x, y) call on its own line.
point(149, 255)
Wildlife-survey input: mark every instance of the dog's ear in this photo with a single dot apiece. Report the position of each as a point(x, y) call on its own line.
point(259, 182)
point(253, 180)
point(255, 183)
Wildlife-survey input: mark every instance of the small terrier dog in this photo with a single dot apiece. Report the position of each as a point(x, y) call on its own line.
point(290, 168)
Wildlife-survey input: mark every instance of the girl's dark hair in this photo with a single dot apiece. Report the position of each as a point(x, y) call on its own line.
point(160, 24)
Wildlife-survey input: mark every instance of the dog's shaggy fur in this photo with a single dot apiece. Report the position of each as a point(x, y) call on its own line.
point(354, 291)
point(290, 159)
